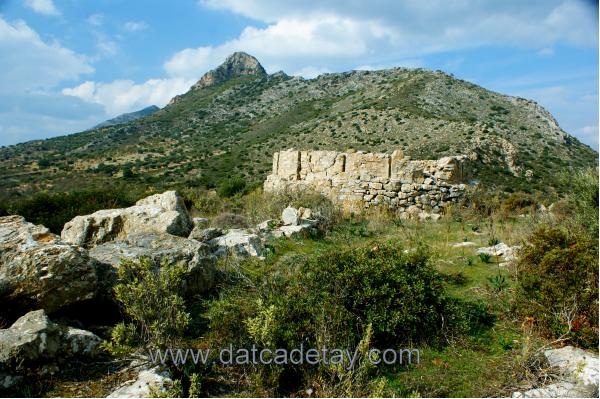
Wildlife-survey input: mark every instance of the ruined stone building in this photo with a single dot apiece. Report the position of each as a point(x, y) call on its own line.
point(356, 180)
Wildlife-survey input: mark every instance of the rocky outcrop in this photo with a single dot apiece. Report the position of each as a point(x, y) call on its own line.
point(39, 271)
point(577, 375)
point(160, 213)
point(34, 340)
point(358, 180)
point(158, 247)
point(237, 64)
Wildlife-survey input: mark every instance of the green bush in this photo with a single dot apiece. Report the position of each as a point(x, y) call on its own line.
point(340, 298)
point(558, 270)
point(558, 284)
point(149, 296)
point(231, 187)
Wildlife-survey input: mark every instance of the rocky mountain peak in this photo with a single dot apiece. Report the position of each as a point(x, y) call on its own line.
point(237, 64)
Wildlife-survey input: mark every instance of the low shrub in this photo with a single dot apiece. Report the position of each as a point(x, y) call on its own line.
point(517, 203)
point(149, 296)
point(558, 284)
point(558, 268)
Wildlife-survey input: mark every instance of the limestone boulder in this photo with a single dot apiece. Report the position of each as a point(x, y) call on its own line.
point(577, 364)
point(157, 247)
point(290, 216)
point(150, 381)
point(39, 271)
point(237, 242)
point(577, 371)
point(159, 213)
point(34, 339)
point(562, 389)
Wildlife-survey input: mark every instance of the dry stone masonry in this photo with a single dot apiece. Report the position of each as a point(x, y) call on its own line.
point(357, 180)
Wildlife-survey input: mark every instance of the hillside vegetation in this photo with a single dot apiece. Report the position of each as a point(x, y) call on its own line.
point(231, 122)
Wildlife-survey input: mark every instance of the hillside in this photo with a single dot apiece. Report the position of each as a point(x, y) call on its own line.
point(128, 117)
point(235, 117)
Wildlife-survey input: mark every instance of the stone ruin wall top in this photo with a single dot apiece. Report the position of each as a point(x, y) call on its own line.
point(311, 165)
point(372, 178)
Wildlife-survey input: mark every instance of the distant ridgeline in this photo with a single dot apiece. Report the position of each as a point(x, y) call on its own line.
point(357, 180)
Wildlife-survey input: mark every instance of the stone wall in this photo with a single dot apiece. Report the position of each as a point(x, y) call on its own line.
point(357, 180)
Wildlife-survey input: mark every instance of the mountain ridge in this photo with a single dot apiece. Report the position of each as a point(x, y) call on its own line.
point(231, 121)
point(128, 117)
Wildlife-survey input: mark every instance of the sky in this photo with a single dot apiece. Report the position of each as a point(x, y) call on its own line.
point(66, 65)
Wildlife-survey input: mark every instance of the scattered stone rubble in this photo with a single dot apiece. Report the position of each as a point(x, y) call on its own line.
point(358, 180)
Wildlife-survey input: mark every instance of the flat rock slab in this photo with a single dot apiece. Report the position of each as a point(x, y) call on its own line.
point(160, 213)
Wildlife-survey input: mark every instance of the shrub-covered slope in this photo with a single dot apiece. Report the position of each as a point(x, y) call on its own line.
point(231, 121)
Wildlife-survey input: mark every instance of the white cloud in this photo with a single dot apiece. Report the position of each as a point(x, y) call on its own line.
point(32, 116)
point(438, 24)
point(135, 26)
point(95, 19)
point(45, 7)
point(122, 96)
point(29, 64)
point(188, 63)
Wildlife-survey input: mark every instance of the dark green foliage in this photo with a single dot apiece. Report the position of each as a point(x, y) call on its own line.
point(558, 279)
point(558, 269)
point(231, 187)
point(485, 258)
point(53, 210)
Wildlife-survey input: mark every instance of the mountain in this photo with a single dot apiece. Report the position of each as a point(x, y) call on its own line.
point(128, 117)
point(232, 120)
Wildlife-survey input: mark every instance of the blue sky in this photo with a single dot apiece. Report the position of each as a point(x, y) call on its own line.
point(69, 64)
